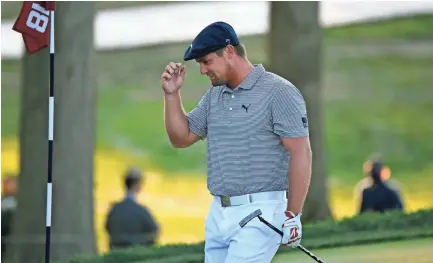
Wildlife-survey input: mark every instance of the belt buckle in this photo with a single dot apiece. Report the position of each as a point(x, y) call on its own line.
point(225, 201)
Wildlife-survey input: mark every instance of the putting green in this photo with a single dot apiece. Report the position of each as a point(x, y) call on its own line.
point(411, 251)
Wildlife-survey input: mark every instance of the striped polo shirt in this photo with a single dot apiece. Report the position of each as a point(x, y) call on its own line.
point(243, 126)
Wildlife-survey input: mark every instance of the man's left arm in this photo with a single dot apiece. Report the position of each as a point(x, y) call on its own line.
point(291, 124)
point(299, 172)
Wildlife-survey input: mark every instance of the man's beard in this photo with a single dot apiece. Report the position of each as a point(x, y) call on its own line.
point(219, 82)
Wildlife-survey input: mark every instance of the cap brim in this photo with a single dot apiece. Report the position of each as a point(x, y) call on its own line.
point(189, 55)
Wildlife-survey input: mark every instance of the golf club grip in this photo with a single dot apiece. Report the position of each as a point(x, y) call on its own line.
point(281, 234)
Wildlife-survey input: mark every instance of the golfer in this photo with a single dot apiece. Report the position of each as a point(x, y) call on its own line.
point(259, 155)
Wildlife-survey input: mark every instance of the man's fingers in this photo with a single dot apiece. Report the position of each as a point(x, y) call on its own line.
point(175, 67)
point(182, 71)
point(165, 76)
point(291, 243)
point(169, 70)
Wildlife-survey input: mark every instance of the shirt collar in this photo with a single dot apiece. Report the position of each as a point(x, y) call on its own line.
point(251, 79)
point(130, 196)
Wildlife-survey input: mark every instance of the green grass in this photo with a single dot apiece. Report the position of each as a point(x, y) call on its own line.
point(336, 238)
point(377, 94)
point(377, 98)
point(385, 109)
point(400, 27)
point(412, 251)
point(360, 230)
point(142, 132)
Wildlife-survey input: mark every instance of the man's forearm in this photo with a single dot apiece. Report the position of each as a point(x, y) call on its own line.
point(176, 122)
point(299, 179)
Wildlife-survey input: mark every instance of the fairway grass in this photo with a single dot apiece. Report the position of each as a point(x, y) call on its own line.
point(410, 251)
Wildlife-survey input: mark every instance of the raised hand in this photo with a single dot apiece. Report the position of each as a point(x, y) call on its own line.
point(173, 77)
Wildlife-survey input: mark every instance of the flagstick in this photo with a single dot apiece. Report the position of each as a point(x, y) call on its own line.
point(50, 143)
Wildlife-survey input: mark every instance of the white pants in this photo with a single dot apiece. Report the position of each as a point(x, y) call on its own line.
point(227, 242)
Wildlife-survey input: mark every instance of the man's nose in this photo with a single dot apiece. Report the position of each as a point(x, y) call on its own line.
point(203, 70)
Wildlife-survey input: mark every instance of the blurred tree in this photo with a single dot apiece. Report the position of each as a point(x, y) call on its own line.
point(74, 142)
point(28, 228)
point(295, 53)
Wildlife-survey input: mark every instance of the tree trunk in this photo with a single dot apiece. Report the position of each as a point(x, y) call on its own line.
point(74, 143)
point(295, 53)
point(74, 132)
point(28, 228)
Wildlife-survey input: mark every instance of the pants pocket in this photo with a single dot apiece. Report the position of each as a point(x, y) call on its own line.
point(278, 218)
point(256, 242)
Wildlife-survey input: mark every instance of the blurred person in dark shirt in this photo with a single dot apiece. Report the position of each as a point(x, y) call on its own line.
point(129, 223)
point(367, 181)
point(385, 176)
point(379, 197)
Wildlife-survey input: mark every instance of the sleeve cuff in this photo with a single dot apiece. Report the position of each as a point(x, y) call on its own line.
point(296, 134)
point(194, 128)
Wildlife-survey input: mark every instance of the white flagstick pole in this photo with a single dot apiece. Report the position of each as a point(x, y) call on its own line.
point(50, 143)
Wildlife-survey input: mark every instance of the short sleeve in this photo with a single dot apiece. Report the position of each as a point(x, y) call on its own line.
point(289, 113)
point(197, 117)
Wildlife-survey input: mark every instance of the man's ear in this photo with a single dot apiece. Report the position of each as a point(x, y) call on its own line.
point(230, 50)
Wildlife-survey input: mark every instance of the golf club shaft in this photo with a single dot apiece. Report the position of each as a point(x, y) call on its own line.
point(306, 251)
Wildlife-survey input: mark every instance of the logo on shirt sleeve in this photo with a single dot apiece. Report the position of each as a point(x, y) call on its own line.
point(304, 122)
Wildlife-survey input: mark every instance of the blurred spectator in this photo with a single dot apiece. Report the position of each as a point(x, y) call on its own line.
point(379, 197)
point(129, 223)
point(8, 207)
point(368, 182)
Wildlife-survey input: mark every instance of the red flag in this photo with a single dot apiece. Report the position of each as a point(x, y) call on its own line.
point(33, 23)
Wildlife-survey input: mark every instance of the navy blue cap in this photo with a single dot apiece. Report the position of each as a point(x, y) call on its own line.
point(213, 37)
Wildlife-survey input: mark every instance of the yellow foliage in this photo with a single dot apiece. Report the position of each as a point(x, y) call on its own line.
point(179, 202)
